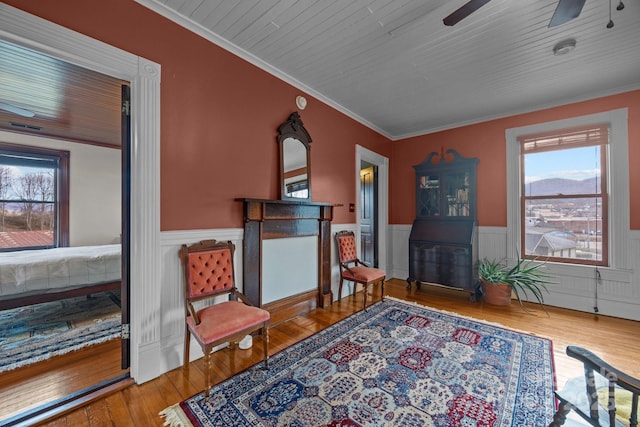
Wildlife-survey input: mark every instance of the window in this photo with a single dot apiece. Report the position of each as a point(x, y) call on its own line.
point(34, 196)
point(615, 170)
point(563, 196)
point(298, 189)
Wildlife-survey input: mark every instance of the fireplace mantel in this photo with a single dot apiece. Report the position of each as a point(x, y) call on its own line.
point(276, 219)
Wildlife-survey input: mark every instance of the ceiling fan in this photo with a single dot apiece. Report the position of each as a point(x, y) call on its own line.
point(565, 11)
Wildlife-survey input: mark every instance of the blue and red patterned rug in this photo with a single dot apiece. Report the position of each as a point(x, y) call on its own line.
point(396, 364)
point(38, 332)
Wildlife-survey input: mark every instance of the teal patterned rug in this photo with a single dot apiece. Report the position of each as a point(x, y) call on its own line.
point(396, 364)
point(37, 332)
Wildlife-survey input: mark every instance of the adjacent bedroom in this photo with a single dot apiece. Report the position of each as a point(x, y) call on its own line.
point(61, 216)
point(60, 262)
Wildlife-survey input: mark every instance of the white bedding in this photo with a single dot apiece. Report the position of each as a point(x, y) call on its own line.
point(52, 270)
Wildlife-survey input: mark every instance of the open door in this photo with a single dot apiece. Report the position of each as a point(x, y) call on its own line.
point(126, 221)
point(368, 214)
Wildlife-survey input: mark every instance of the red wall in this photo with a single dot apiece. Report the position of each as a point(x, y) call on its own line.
point(219, 118)
point(487, 142)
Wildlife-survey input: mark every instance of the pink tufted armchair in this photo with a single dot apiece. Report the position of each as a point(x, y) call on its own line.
point(208, 272)
point(354, 270)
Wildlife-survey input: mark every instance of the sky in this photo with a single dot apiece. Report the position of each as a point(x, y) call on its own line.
point(576, 163)
point(18, 171)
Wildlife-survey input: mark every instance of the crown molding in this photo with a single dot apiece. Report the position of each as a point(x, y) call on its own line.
point(207, 34)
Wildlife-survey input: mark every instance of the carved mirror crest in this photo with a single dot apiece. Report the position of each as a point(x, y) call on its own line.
point(295, 159)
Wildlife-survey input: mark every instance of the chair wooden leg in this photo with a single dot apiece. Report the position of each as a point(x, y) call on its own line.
point(382, 290)
point(340, 289)
point(265, 344)
point(364, 290)
point(207, 373)
point(187, 342)
point(561, 415)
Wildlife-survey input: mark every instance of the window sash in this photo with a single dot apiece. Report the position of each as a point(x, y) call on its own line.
point(25, 160)
point(43, 158)
point(583, 136)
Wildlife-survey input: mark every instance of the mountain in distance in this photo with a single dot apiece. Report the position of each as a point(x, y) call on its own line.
point(555, 186)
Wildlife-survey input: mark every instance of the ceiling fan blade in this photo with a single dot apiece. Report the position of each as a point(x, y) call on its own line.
point(566, 11)
point(464, 11)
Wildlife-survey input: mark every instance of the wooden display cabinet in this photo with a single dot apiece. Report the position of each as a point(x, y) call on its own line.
point(443, 245)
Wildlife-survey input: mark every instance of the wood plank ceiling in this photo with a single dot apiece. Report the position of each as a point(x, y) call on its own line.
point(390, 64)
point(394, 66)
point(57, 99)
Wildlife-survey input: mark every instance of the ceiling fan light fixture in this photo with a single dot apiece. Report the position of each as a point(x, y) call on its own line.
point(563, 47)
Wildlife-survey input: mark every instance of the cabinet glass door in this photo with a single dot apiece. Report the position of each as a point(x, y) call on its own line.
point(457, 195)
point(428, 195)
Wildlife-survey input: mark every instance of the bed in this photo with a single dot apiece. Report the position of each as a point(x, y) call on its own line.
point(35, 276)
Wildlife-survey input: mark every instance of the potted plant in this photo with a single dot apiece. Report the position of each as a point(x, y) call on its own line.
point(500, 282)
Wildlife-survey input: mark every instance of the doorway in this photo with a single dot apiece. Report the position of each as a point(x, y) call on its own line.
point(380, 214)
point(20, 27)
point(369, 213)
point(97, 367)
point(105, 362)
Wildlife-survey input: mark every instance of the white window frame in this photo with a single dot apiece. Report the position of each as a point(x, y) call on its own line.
point(617, 183)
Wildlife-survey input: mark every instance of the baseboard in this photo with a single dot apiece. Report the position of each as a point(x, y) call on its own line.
point(46, 413)
point(286, 308)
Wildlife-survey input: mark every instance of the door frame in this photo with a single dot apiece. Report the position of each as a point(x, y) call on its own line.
point(52, 39)
point(364, 154)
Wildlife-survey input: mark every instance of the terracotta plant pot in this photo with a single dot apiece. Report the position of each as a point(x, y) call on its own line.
point(496, 293)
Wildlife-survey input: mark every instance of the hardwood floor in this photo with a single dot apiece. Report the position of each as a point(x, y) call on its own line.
point(26, 388)
point(615, 340)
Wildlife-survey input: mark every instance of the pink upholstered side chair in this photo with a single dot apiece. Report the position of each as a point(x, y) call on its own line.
point(354, 270)
point(208, 272)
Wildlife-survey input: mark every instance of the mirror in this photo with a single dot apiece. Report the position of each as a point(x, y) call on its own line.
point(295, 155)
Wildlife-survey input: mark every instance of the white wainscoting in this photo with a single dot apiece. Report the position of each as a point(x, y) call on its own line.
point(167, 354)
point(399, 251)
point(618, 291)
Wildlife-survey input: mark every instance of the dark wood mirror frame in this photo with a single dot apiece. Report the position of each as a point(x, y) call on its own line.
point(291, 132)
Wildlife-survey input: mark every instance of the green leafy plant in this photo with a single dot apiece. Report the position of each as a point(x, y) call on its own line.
point(525, 278)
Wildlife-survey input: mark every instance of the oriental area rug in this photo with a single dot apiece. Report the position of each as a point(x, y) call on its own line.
point(396, 364)
point(37, 332)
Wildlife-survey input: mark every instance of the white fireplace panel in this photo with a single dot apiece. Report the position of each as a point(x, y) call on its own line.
point(289, 267)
